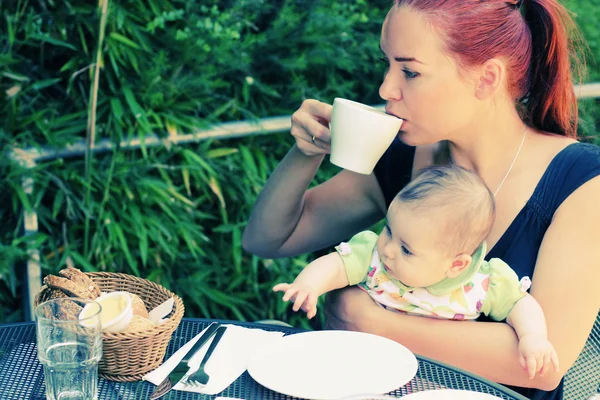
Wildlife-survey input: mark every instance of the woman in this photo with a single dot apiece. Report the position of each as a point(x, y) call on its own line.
point(486, 85)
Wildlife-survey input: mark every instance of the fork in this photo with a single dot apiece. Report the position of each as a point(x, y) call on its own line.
point(200, 377)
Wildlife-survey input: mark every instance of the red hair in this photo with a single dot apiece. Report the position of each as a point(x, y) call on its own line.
point(535, 40)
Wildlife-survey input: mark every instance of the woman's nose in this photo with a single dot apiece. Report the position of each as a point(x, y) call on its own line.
point(390, 87)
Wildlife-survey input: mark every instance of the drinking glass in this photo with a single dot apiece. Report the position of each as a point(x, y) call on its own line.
point(69, 347)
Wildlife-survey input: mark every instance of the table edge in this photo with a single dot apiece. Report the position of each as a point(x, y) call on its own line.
point(495, 385)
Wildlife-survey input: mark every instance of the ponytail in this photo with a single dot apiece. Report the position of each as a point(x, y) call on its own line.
point(550, 104)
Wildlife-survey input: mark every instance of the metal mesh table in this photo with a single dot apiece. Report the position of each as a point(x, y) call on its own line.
point(21, 374)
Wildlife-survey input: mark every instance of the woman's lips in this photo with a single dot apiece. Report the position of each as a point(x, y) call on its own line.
point(395, 115)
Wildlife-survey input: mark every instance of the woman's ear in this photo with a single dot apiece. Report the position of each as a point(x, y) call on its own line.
point(459, 264)
point(491, 77)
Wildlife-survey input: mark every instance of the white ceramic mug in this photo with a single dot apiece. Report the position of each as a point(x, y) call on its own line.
point(360, 134)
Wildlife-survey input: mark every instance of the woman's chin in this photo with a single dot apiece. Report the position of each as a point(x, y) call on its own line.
point(409, 139)
point(414, 139)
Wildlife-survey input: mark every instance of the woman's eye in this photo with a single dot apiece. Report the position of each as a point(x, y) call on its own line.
point(406, 251)
point(410, 74)
point(388, 230)
point(384, 60)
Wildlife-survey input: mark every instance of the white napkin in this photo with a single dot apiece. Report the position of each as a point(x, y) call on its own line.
point(226, 364)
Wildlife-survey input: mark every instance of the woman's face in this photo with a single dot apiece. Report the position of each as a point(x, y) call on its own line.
point(422, 84)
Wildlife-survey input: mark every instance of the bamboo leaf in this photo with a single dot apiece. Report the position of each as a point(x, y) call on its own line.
point(16, 77)
point(142, 236)
point(68, 65)
point(124, 40)
point(23, 198)
point(135, 108)
point(82, 39)
point(236, 249)
point(57, 204)
point(248, 160)
point(39, 85)
point(216, 188)
point(194, 158)
point(221, 152)
point(185, 174)
point(116, 228)
point(53, 41)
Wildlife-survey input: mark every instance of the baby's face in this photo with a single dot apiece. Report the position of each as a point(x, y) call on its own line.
point(406, 246)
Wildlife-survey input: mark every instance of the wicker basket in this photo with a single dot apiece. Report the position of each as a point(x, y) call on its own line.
point(127, 357)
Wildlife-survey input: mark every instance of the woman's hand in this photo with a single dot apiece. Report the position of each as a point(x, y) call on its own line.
point(348, 309)
point(310, 127)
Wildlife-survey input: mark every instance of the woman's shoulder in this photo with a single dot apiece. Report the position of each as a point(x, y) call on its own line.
point(571, 167)
point(574, 160)
point(582, 151)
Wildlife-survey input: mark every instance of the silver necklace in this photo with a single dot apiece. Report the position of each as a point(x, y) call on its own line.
point(513, 162)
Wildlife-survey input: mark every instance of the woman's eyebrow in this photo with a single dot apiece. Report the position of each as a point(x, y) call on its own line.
point(403, 59)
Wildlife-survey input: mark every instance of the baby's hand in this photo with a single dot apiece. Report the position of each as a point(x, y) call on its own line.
point(536, 354)
point(303, 296)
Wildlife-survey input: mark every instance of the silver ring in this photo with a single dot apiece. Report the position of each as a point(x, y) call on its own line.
point(313, 139)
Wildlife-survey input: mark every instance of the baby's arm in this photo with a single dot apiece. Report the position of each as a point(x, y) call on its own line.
point(528, 321)
point(323, 275)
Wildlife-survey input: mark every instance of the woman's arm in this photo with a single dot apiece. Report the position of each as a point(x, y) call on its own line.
point(289, 220)
point(565, 283)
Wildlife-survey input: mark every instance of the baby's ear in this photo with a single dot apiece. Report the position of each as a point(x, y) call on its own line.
point(459, 264)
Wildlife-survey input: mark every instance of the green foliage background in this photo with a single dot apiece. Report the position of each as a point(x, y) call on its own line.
point(175, 214)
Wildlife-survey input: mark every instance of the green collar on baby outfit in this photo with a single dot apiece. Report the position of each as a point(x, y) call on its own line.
point(450, 284)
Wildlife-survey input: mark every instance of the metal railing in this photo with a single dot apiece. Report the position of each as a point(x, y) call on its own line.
point(29, 158)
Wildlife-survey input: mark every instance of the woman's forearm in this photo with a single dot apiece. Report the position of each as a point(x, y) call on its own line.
point(279, 206)
point(488, 349)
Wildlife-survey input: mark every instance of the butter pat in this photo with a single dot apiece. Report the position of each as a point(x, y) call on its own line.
point(116, 311)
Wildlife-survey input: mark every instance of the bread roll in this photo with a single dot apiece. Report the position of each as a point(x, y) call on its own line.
point(138, 324)
point(139, 308)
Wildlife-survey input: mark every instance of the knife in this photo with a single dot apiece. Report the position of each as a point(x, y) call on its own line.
point(182, 368)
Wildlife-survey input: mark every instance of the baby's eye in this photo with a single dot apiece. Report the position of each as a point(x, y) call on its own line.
point(410, 74)
point(406, 251)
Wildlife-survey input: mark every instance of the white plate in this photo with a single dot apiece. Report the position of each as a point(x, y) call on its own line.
point(450, 394)
point(326, 365)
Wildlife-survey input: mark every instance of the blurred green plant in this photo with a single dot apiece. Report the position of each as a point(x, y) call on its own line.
point(173, 214)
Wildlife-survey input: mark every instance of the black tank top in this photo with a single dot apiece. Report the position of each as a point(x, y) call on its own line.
point(519, 245)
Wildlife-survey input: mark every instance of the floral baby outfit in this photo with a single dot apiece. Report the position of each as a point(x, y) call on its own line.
point(489, 287)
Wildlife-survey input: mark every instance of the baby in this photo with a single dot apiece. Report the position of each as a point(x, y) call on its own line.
point(429, 261)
